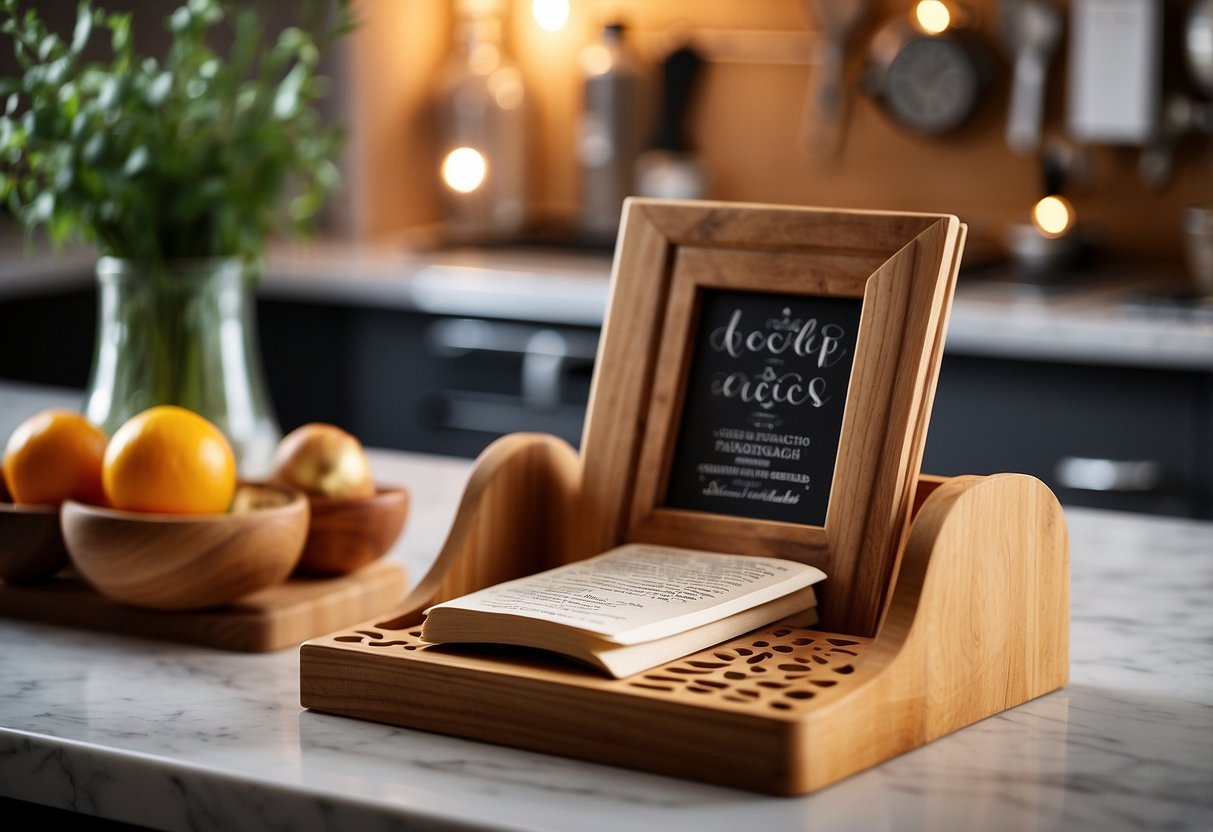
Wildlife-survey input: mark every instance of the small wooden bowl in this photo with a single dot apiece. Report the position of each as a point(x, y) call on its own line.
point(31, 543)
point(348, 533)
point(184, 562)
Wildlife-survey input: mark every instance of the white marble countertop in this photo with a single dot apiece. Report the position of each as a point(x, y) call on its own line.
point(176, 737)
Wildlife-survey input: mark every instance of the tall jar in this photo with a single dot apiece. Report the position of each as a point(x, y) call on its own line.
point(608, 141)
point(183, 334)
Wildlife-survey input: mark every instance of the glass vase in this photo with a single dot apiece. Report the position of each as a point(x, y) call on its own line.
point(183, 334)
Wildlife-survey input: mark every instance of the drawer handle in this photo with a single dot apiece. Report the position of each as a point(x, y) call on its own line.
point(461, 336)
point(546, 354)
point(1089, 474)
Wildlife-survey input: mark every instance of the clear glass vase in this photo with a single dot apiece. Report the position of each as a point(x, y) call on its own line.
point(183, 334)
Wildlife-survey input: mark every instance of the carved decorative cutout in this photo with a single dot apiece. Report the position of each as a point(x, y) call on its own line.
point(780, 668)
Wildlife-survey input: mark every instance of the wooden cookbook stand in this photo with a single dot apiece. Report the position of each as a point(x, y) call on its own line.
point(947, 600)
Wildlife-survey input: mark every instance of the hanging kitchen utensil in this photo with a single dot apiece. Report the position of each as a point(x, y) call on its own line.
point(1183, 114)
point(1114, 93)
point(825, 109)
point(668, 168)
point(608, 135)
point(1031, 30)
point(930, 83)
point(1198, 44)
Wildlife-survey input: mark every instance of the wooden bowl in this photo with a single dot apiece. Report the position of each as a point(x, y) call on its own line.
point(184, 562)
point(31, 543)
point(348, 533)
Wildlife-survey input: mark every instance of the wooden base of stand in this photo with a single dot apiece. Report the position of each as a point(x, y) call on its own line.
point(276, 618)
point(977, 623)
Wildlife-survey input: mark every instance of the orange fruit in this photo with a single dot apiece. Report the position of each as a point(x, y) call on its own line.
point(54, 456)
point(169, 460)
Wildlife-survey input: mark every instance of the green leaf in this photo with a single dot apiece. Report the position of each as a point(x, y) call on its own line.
point(94, 149)
point(47, 123)
point(48, 46)
point(64, 177)
point(159, 89)
point(137, 161)
point(83, 30)
point(56, 71)
point(180, 20)
point(111, 91)
point(120, 33)
point(42, 207)
point(286, 99)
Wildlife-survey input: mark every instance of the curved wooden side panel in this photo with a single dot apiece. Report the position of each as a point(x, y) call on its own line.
point(978, 623)
point(516, 517)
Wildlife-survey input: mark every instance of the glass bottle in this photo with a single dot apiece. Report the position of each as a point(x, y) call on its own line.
point(483, 133)
point(609, 135)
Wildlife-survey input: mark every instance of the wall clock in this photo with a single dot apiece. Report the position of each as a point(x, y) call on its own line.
point(929, 83)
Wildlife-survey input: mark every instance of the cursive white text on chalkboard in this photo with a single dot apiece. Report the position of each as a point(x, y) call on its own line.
point(801, 338)
point(770, 388)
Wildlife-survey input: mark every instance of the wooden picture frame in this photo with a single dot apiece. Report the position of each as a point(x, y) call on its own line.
point(672, 255)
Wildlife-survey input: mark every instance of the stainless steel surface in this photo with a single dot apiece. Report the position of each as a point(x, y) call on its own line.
point(1198, 243)
point(1084, 474)
point(1036, 252)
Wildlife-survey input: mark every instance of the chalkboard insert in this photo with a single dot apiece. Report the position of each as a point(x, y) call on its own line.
point(763, 405)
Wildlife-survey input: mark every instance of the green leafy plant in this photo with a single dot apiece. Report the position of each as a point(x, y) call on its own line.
point(194, 155)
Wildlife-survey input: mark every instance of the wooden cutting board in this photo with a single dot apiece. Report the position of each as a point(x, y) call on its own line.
point(272, 619)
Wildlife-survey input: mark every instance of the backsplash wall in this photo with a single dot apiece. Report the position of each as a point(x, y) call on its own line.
point(746, 123)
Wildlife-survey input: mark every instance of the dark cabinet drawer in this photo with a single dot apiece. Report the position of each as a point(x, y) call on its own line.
point(1116, 437)
point(456, 384)
point(427, 383)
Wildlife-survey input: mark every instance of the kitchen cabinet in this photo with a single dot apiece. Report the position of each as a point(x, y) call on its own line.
point(1131, 438)
point(47, 337)
point(421, 382)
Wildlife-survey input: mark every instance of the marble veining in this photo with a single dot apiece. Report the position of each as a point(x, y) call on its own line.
point(178, 737)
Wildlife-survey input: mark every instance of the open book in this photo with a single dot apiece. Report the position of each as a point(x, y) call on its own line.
point(633, 607)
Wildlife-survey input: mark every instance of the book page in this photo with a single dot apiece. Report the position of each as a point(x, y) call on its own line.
point(639, 592)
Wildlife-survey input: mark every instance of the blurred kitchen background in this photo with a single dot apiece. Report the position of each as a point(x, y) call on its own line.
point(458, 288)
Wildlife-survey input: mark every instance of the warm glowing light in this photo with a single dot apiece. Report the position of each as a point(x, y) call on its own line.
point(484, 58)
point(1053, 216)
point(464, 169)
point(932, 16)
point(551, 15)
point(506, 87)
point(596, 59)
